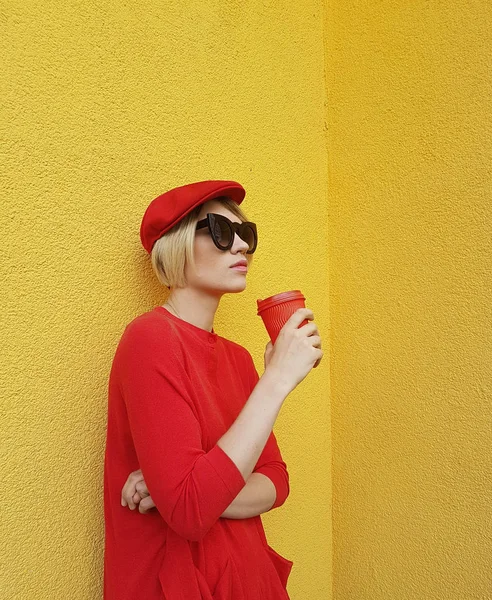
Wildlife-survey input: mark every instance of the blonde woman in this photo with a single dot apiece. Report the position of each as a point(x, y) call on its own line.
point(191, 459)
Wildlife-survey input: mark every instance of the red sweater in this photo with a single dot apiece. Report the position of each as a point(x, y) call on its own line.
point(174, 390)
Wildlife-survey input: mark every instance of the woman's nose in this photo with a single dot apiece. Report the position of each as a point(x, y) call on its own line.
point(239, 243)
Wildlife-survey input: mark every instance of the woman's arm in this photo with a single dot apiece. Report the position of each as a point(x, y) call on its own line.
point(256, 497)
point(246, 438)
point(190, 487)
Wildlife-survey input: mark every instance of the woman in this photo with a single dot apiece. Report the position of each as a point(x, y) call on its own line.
point(189, 434)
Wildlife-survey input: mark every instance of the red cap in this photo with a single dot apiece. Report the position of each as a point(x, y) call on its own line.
point(169, 208)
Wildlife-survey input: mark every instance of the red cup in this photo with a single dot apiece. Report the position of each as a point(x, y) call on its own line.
point(276, 310)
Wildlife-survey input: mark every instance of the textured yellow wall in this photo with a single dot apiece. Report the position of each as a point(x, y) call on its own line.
point(105, 106)
point(410, 147)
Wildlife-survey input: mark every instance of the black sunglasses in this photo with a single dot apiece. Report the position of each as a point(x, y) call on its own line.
point(223, 231)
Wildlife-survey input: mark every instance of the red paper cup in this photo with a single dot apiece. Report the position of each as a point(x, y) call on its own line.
point(276, 310)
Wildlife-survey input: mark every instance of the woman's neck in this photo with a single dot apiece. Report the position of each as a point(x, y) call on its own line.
point(193, 306)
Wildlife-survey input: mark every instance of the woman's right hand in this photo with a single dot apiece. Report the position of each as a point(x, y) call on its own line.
point(296, 349)
point(135, 492)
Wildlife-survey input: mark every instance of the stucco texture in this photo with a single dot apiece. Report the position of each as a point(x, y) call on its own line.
point(362, 133)
point(106, 105)
point(410, 147)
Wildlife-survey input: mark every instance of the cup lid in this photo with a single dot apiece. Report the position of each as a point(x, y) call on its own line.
point(278, 299)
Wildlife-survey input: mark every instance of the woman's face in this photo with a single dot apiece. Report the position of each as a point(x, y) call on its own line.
point(213, 272)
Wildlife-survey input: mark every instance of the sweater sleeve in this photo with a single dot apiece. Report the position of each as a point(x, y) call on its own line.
point(191, 488)
point(270, 462)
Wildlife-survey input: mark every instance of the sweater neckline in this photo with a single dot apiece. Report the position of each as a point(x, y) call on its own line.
point(203, 333)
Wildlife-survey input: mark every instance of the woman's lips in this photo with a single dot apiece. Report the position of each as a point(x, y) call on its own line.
point(240, 268)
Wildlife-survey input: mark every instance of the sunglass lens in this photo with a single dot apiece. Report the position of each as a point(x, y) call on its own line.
point(222, 233)
point(248, 235)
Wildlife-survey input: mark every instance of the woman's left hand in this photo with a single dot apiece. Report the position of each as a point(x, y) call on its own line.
point(135, 492)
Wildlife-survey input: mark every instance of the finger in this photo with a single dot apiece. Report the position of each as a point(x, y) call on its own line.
point(127, 499)
point(133, 501)
point(127, 495)
point(146, 504)
point(129, 487)
point(315, 341)
point(309, 328)
point(141, 488)
point(297, 317)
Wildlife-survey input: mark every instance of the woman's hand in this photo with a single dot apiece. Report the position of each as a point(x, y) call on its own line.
point(269, 352)
point(135, 492)
point(297, 349)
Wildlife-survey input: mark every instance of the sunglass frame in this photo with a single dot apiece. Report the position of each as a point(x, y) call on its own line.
point(210, 220)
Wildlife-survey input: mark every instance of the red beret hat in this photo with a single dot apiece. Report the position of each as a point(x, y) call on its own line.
point(169, 208)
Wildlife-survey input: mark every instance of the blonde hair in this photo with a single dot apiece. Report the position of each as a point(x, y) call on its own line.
point(173, 249)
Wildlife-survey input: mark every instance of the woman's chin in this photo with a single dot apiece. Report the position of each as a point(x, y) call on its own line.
point(238, 286)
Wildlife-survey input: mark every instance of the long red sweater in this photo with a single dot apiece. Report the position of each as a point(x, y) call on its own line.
point(174, 390)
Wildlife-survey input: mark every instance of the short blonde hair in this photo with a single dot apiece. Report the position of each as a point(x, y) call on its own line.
point(171, 251)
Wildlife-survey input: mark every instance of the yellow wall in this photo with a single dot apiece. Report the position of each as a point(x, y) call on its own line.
point(361, 131)
point(106, 107)
point(409, 178)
